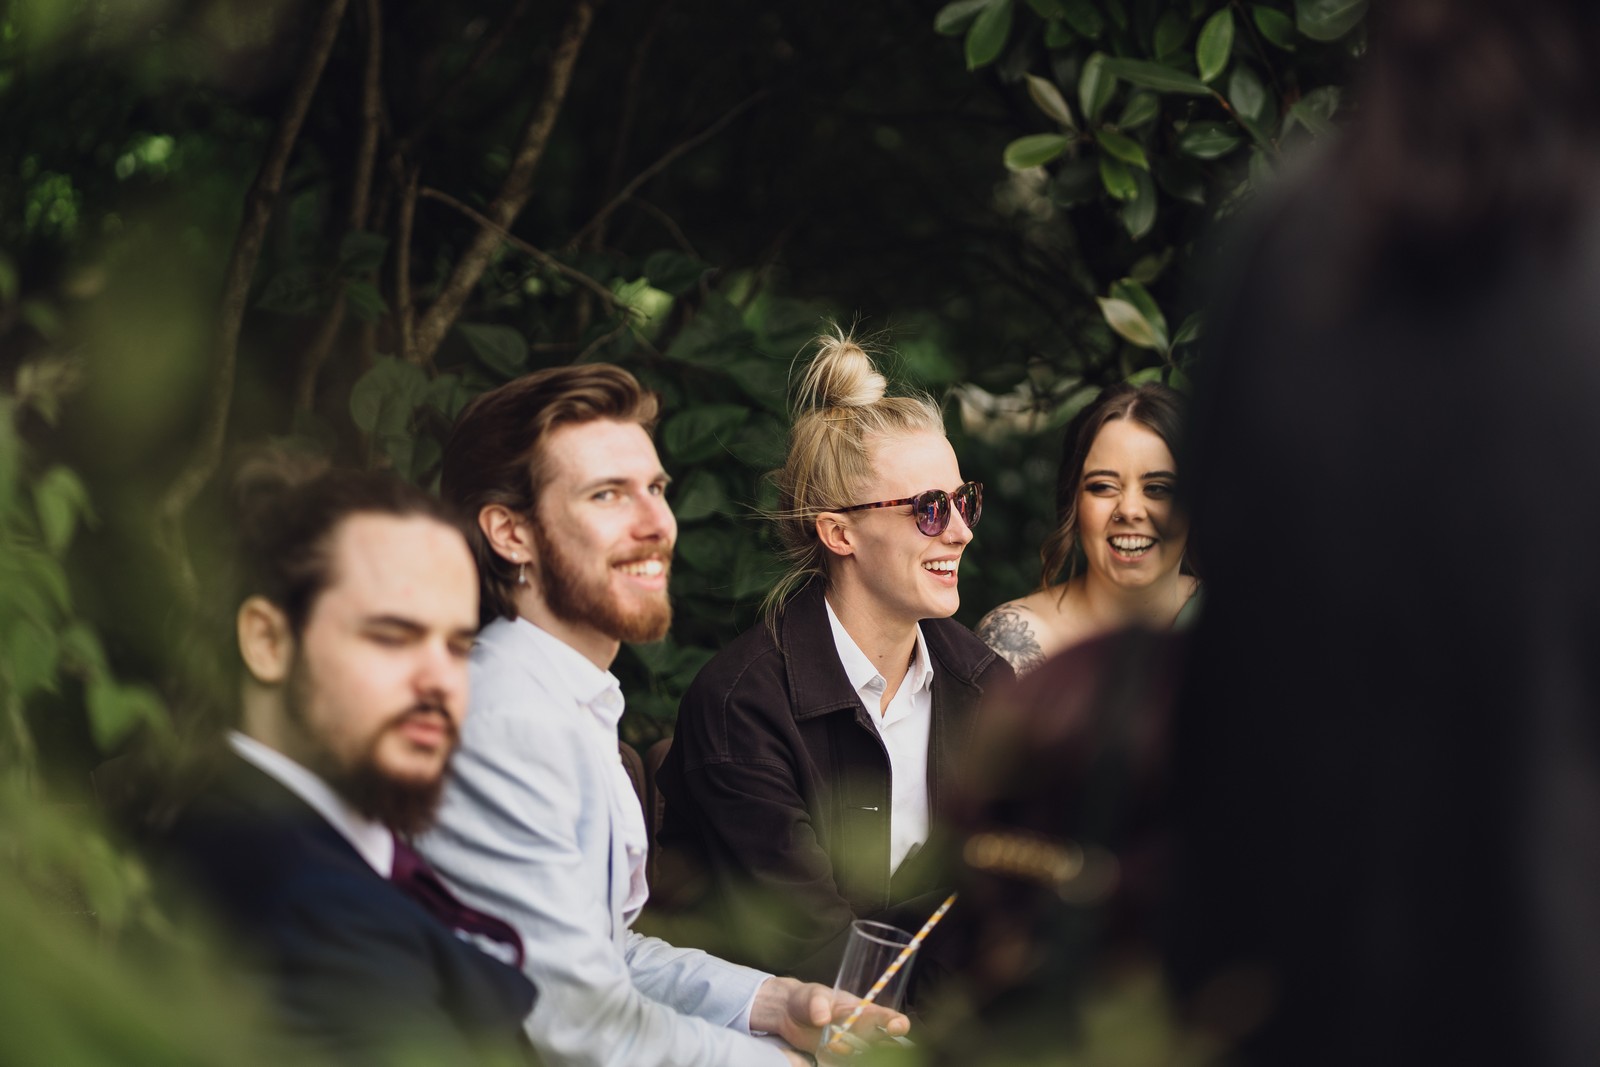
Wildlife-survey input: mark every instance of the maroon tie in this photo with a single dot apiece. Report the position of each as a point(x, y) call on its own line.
point(422, 884)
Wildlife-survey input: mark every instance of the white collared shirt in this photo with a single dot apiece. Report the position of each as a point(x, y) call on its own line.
point(371, 839)
point(573, 676)
point(904, 727)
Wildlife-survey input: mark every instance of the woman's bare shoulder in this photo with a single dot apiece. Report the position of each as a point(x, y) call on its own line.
point(1021, 630)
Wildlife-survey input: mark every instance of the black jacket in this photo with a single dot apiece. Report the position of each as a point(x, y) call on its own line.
point(777, 789)
point(353, 967)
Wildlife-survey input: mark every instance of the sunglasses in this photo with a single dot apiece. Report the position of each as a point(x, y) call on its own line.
point(932, 508)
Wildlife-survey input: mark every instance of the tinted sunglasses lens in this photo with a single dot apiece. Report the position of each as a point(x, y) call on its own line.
point(969, 502)
point(932, 510)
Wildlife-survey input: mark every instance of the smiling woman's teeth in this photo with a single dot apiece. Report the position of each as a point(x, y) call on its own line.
point(941, 566)
point(643, 568)
point(1133, 546)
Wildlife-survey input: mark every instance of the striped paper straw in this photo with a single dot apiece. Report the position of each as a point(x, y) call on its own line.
point(897, 963)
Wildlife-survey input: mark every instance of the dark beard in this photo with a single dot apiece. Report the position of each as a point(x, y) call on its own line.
point(405, 806)
point(571, 597)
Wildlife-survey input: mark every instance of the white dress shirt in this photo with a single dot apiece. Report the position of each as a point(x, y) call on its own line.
point(540, 826)
point(904, 726)
point(371, 839)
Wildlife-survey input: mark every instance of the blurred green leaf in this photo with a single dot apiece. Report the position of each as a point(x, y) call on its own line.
point(1315, 110)
point(61, 500)
point(383, 399)
point(500, 348)
point(953, 19)
point(1048, 98)
point(1172, 29)
point(1058, 34)
point(115, 709)
point(1084, 18)
point(10, 283)
point(1246, 93)
point(1126, 320)
point(1328, 20)
point(1139, 213)
point(33, 655)
point(699, 495)
point(1136, 294)
point(674, 272)
point(699, 433)
point(1117, 179)
point(1095, 87)
point(1162, 79)
point(1048, 9)
point(716, 334)
point(1124, 148)
point(364, 299)
point(1189, 332)
point(362, 253)
point(296, 291)
point(1274, 25)
point(82, 651)
point(988, 33)
point(1035, 150)
point(1208, 140)
point(1140, 109)
point(1216, 45)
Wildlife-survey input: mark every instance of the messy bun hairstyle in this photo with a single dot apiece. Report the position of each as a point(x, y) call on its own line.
point(840, 407)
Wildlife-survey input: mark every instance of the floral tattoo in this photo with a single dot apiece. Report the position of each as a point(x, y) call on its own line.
point(1008, 633)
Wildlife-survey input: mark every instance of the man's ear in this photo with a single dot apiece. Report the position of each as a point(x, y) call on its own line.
point(833, 530)
point(265, 642)
point(508, 533)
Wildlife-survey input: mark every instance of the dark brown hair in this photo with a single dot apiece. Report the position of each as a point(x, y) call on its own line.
point(288, 510)
point(494, 454)
point(1155, 406)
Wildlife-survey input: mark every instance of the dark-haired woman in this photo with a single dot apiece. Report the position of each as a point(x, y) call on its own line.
point(1120, 538)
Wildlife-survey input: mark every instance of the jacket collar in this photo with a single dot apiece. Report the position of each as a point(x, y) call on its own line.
point(817, 680)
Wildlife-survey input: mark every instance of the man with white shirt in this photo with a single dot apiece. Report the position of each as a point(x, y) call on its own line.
point(359, 605)
point(539, 823)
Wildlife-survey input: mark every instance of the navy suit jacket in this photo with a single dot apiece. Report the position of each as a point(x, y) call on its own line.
point(353, 965)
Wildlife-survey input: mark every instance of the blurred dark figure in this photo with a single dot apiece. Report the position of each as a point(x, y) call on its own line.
point(1387, 777)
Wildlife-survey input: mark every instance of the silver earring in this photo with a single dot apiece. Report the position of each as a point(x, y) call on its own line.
point(522, 574)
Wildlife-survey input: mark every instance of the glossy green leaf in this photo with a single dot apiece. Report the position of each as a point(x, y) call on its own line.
point(1136, 294)
point(1246, 93)
point(1139, 213)
point(1189, 332)
point(500, 348)
point(1328, 20)
point(1172, 29)
point(1117, 179)
point(1274, 25)
point(1140, 109)
point(1084, 17)
point(1124, 148)
point(1155, 76)
point(1127, 321)
point(987, 34)
point(698, 433)
point(1095, 87)
point(1048, 99)
point(1215, 45)
point(60, 499)
point(953, 19)
point(1208, 140)
point(1035, 150)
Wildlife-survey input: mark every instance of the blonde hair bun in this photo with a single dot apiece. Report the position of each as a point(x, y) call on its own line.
point(840, 376)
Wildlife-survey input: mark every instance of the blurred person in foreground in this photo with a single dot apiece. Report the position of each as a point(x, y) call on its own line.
point(357, 606)
point(540, 823)
point(1120, 537)
point(812, 754)
point(1388, 778)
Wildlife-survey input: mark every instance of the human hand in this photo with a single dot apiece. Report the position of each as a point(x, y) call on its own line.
point(797, 1011)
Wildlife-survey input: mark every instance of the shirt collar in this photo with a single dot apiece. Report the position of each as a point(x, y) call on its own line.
point(372, 840)
point(566, 670)
point(859, 669)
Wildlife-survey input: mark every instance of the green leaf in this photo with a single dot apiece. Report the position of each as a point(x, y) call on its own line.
point(1246, 93)
point(33, 654)
point(61, 500)
point(383, 398)
point(1058, 34)
point(699, 495)
point(1124, 148)
point(1136, 294)
point(1215, 45)
point(1035, 150)
point(1208, 140)
point(1162, 79)
point(1095, 87)
point(699, 433)
point(1117, 179)
point(1172, 29)
point(1126, 319)
point(715, 334)
point(953, 19)
point(673, 272)
point(1315, 110)
point(1328, 20)
point(1049, 100)
point(82, 651)
point(499, 348)
point(1084, 17)
point(361, 252)
point(1261, 169)
point(296, 291)
point(1150, 267)
point(10, 284)
point(115, 710)
point(1139, 214)
point(364, 299)
point(1048, 9)
point(1182, 179)
point(1274, 25)
point(988, 33)
point(1189, 332)
point(1140, 109)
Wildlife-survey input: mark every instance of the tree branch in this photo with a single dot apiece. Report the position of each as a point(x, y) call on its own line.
point(514, 192)
point(405, 318)
point(666, 160)
point(207, 454)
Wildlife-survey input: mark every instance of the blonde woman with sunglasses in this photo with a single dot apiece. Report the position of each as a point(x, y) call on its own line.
point(812, 754)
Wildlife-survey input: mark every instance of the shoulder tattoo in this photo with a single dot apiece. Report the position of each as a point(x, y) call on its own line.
point(1008, 633)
